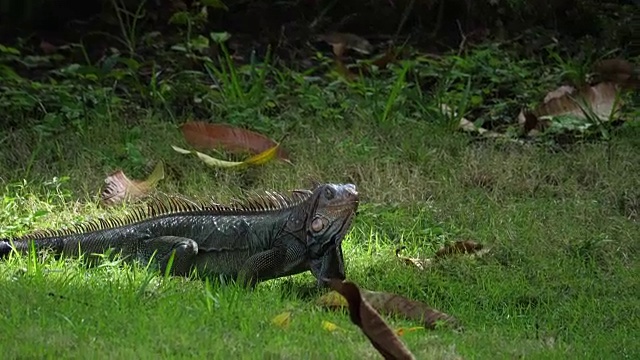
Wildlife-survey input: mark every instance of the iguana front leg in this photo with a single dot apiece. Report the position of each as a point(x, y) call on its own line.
point(161, 249)
point(284, 259)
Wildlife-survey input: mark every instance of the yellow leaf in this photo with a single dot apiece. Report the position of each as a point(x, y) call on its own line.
point(263, 157)
point(156, 175)
point(257, 159)
point(329, 326)
point(332, 299)
point(402, 331)
point(211, 161)
point(181, 150)
point(282, 320)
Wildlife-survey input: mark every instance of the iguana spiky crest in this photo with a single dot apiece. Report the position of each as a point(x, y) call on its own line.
point(256, 239)
point(258, 203)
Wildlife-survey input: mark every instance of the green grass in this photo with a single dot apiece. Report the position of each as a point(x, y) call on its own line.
point(560, 281)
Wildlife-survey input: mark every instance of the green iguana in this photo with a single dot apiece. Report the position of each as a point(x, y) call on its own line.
point(261, 238)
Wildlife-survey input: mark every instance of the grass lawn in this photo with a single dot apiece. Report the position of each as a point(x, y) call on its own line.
point(561, 280)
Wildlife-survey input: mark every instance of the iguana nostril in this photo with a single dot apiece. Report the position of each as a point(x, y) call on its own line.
point(351, 191)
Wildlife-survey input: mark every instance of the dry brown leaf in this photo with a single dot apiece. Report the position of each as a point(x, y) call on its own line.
point(389, 303)
point(468, 247)
point(419, 263)
point(401, 331)
point(47, 47)
point(598, 100)
point(204, 135)
point(373, 326)
point(467, 125)
point(532, 123)
point(559, 92)
point(392, 304)
point(119, 187)
point(343, 70)
point(459, 247)
point(342, 41)
point(386, 59)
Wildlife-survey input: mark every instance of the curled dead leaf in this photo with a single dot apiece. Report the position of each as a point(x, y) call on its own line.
point(119, 187)
point(373, 326)
point(389, 303)
point(47, 47)
point(559, 92)
point(401, 331)
point(342, 41)
point(386, 59)
point(466, 125)
point(595, 103)
point(344, 71)
point(459, 247)
point(419, 263)
point(393, 304)
point(202, 135)
point(258, 159)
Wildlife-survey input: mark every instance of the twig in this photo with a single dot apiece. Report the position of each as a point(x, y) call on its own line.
point(464, 38)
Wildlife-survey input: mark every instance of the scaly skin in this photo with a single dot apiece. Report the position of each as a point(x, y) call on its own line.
point(266, 239)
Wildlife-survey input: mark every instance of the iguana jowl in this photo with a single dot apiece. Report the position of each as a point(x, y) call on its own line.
point(264, 237)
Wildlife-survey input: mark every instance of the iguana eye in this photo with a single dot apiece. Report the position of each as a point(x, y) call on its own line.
point(317, 224)
point(328, 193)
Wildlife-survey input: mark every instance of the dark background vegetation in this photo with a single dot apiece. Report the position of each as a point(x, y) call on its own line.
point(580, 27)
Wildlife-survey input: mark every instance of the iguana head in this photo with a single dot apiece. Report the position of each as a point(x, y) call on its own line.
point(333, 209)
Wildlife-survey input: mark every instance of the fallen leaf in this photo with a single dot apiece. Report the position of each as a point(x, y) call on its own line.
point(333, 300)
point(419, 263)
point(47, 48)
point(386, 59)
point(344, 71)
point(600, 101)
point(402, 331)
point(342, 41)
point(467, 125)
point(119, 187)
point(258, 159)
point(282, 320)
point(459, 247)
point(263, 157)
point(389, 303)
point(202, 135)
point(532, 123)
point(373, 326)
point(329, 326)
point(559, 92)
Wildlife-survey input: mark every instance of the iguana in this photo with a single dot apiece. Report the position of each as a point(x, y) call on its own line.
point(261, 238)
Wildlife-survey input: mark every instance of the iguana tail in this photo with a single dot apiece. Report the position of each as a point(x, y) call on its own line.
point(5, 248)
point(55, 244)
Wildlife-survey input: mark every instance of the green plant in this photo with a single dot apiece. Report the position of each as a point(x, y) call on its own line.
point(129, 23)
point(396, 90)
